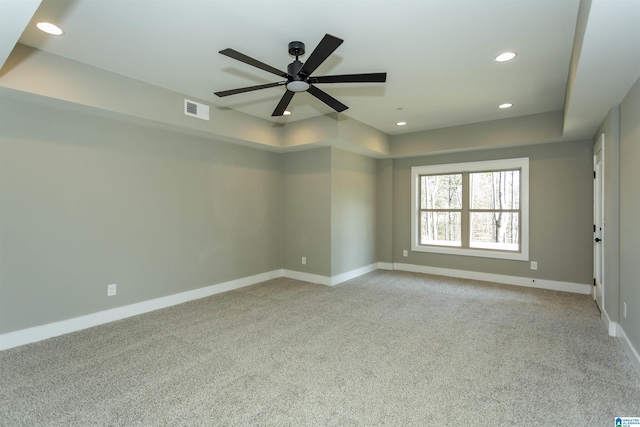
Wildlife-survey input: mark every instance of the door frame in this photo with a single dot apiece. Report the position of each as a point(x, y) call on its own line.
point(598, 222)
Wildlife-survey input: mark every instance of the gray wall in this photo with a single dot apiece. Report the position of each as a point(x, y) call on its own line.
point(329, 211)
point(86, 201)
point(560, 213)
point(307, 211)
point(385, 210)
point(630, 213)
point(353, 211)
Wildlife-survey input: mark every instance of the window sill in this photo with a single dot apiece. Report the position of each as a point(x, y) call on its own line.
point(516, 256)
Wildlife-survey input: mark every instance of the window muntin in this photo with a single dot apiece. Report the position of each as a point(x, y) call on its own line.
point(475, 209)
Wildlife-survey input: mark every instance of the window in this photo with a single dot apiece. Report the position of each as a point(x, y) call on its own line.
point(475, 209)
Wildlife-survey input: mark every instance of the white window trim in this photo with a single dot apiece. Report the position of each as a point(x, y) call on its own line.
point(517, 163)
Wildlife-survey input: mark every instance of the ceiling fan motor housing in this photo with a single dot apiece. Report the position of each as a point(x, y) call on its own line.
point(294, 68)
point(296, 49)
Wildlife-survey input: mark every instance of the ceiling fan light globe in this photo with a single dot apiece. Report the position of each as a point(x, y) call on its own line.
point(297, 86)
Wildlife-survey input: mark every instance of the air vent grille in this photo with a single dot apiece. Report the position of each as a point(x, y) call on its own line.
point(195, 109)
point(192, 108)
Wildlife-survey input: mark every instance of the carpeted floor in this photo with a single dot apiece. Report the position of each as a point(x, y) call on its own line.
point(387, 348)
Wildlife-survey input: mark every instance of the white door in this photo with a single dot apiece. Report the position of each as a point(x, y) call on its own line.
point(598, 220)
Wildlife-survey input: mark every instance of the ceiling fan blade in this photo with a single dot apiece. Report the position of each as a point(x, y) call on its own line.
point(248, 60)
point(247, 89)
point(351, 78)
point(325, 48)
point(327, 99)
point(284, 102)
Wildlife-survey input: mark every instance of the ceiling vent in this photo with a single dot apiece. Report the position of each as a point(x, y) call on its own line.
point(195, 109)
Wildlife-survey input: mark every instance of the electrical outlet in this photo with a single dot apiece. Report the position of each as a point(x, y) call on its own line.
point(304, 260)
point(624, 310)
point(405, 253)
point(534, 265)
point(111, 290)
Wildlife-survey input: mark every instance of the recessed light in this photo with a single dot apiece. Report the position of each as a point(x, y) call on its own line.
point(286, 113)
point(50, 28)
point(401, 123)
point(505, 105)
point(507, 56)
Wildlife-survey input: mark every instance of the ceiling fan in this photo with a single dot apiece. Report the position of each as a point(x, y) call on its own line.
point(298, 75)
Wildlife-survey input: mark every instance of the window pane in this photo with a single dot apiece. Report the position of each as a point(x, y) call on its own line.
point(441, 192)
point(495, 230)
point(440, 228)
point(495, 190)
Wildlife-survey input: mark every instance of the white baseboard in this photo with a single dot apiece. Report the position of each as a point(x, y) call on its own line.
point(608, 323)
point(329, 281)
point(577, 288)
point(50, 330)
point(307, 277)
point(628, 348)
point(353, 274)
point(385, 266)
point(615, 330)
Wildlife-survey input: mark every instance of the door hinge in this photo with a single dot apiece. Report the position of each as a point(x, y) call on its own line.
point(594, 281)
point(594, 228)
point(594, 174)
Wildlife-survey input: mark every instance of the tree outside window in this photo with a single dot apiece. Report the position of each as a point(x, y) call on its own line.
point(494, 210)
point(441, 209)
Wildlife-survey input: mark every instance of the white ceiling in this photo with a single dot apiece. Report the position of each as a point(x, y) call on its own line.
point(438, 53)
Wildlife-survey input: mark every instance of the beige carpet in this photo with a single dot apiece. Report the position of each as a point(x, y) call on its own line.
point(387, 348)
